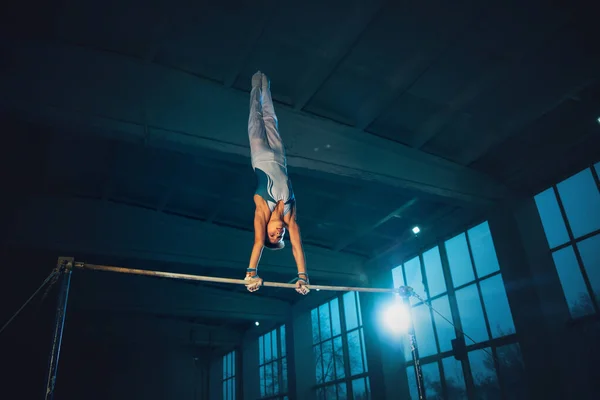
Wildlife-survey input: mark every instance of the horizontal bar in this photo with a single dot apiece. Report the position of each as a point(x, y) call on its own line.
point(199, 278)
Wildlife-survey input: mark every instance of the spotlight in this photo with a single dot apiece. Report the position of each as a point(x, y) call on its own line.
point(396, 317)
point(257, 323)
point(317, 289)
point(598, 120)
point(416, 230)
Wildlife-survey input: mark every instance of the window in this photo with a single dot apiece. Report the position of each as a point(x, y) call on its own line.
point(229, 376)
point(570, 214)
point(339, 349)
point(273, 364)
point(464, 277)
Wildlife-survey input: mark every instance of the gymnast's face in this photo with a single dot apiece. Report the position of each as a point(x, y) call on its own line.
point(275, 231)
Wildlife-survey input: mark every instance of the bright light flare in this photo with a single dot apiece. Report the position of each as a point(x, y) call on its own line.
point(396, 317)
point(416, 230)
point(257, 323)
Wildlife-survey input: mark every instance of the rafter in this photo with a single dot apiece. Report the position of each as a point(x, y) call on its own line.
point(210, 117)
point(337, 49)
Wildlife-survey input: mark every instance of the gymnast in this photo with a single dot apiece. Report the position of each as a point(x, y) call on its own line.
point(274, 197)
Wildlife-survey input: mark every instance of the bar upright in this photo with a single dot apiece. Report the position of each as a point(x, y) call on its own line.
point(406, 292)
point(65, 267)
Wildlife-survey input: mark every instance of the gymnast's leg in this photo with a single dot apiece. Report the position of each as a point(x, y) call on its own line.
point(270, 121)
point(259, 144)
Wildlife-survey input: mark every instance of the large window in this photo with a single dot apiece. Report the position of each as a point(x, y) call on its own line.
point(570, 214)
point(462, 282)
point(229, 376)
point(273, 364)
point(339, 349)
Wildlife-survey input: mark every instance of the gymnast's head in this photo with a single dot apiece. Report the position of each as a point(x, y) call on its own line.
point(275, 234)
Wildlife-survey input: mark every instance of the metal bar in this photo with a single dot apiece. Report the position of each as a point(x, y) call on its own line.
point(64, 275)
point(414, 349)
point(199, 278)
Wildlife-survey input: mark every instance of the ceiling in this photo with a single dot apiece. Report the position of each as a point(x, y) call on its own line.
point(394, 114)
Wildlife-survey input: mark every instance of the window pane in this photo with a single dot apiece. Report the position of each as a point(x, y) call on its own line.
point(232, 389)
point(324, 321)
point(590, 255)
point(225, 367)
point(261, 350)
point(268, 347)
point(572, 282)
point(275, 375)
point(328, 361)
point(552, 220)
point(225, 390)
point(431, 376)
point(455, 380)
point(484, 374)
point(354, 353)
point(232, 365)
point(482, 247)
point(358, 308)
point(262, 381)
point(363, 348)
point(496, 306)
point(314, 317)
point(512, 371)
point(461, 268)
point(342, 392)
point(434, 272)
point(421, 318)
point(282, 338)
point(350, 310)
point(397, 277)
point(275, 344)
point(471, 314)
point(335, 317)
point(412, 383)
point(339, 357)
point(581, 199)
point(284, 375)
point(359, 390)
point(445, 330)
point(318, 363)
point(412, 269)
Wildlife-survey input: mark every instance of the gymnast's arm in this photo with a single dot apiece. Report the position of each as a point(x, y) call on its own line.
point(296, 240)
point(260, 228)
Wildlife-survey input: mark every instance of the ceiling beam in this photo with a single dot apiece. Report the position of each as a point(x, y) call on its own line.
point(267, 10)
point(132, 326)
point(521, 45)
point(85, 226)
point(399, 211)
point(131, 294)
point(58, 84)
point(564, 81)
point(336, 49)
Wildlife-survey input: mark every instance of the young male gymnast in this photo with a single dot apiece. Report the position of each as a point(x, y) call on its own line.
point(274, 197)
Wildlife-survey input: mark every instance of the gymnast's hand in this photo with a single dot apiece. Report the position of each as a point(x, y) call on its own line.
point(302, 283)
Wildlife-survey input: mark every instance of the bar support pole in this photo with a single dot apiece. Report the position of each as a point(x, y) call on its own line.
point(406, 293)
point(65, 267)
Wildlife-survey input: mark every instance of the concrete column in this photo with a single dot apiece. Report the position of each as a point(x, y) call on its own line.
point(534, 293)
point(250, 370)
point(385, 351)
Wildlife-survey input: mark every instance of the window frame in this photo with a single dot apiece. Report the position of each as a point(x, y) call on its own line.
point(226, 378)
point(281, 395)
point(348, 378)
point(491, 343)
point(573, 243)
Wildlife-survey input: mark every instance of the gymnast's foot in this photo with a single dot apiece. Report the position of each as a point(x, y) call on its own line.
point(257, 79)
point(266, 83)
point(253, 281)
